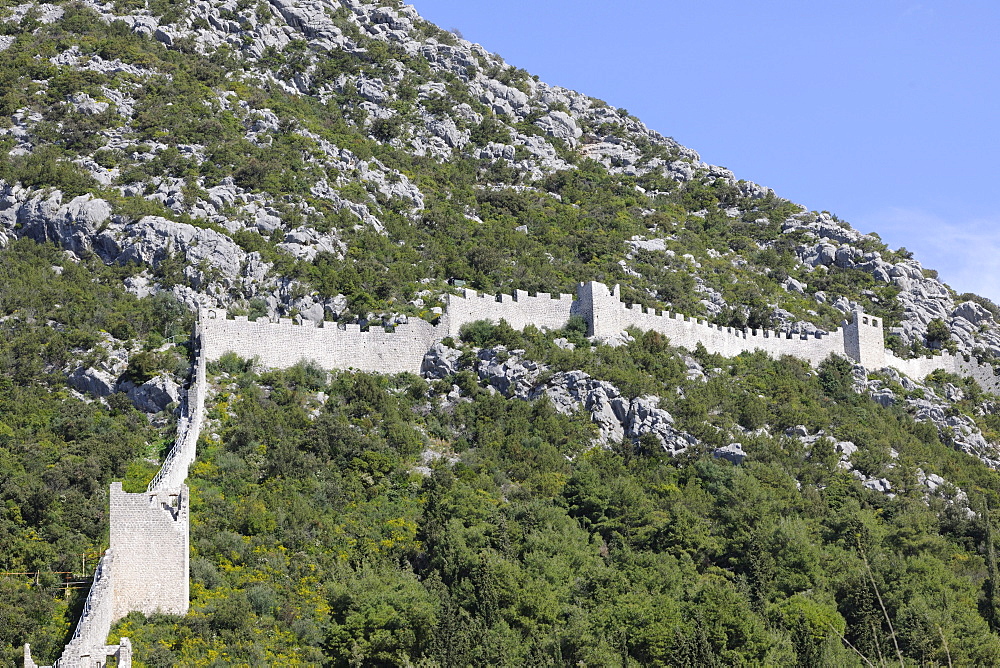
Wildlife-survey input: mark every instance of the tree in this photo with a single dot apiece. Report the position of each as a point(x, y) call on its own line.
point(937, 333)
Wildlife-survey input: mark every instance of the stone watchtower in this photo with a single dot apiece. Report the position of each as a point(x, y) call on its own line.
point(601, 308)
point(149, 538)
point(863, 340)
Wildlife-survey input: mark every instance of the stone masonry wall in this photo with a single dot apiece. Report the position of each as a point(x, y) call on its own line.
point(608, 316)
point(283, 344)
point(519, 310)
point(151, 528)
point(149, 538)
point(920, 367)
point(95, 621)
point(173, 473)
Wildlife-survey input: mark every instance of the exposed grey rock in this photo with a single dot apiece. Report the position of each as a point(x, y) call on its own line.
point(306, 243)
point(560, 125)
point(565, 344)
point(694, 369)
point(876, 484)
point(84, 104)
point(154, 395)
point(151, 239)
point(448, 131)
point(94, 382)
point(78, 225)
point(793, 285)
point(140, 286)
point(826, 254)
point(845, 256)
point(440, 361)
point(884, 397)
point(732, 452)
point(508, 373)
point(616, 417)
point(797, 431)
point(845, 448)
point(972, 312)
point(641, 243)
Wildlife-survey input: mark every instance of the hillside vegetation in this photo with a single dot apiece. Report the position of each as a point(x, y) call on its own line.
point(349, 161)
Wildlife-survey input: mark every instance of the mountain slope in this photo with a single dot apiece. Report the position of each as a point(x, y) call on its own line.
point(349, 161)
point(311, 133)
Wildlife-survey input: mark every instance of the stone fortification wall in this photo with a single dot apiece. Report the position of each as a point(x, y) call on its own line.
point(543, 310)
point(607, 315)
point(861, 339)
point(283, 344)
point(149, 531)
point(149, 538)
point(92, 631)
point(174, 471)
point(151, 528)
point(87, 647)
point(984, 374)
point(729, 342)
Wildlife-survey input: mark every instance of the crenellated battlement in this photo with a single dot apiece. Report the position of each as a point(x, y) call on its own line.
point(520, 309)
point(283, 343)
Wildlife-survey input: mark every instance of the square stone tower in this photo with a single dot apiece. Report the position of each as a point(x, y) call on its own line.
point(601, 308)
point(864, 342)
point(149, 538)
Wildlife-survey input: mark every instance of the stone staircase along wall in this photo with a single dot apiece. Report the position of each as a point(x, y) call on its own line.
point(146, 568)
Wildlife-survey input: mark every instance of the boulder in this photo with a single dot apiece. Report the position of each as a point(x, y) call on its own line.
point(154, 395)
point(845, 448)
point(86, 105)
point(440, 362)
point(732, 452)
point(826, 254)
point(94, 382)
point(884, 397)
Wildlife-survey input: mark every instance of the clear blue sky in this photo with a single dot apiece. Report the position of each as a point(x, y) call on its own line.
point(884, 112)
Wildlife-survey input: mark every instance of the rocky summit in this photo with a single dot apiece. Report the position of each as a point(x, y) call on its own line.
point(534, 495)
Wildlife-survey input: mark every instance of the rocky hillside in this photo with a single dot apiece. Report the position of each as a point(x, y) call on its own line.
point(346, 160)
point(350, 161)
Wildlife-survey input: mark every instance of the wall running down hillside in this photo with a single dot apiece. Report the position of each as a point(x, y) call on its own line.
point(146, 567)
